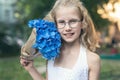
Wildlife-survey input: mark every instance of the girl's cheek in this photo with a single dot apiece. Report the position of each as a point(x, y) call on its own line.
point(60, 30)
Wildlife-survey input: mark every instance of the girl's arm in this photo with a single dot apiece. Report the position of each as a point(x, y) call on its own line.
point(26, 57)
point(28, 65)
point(35, 74)
point(94, 66)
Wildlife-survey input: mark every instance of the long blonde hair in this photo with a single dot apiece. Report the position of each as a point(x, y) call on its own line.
point(88, 36)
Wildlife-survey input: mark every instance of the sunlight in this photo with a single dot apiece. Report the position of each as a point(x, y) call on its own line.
point(110, 11)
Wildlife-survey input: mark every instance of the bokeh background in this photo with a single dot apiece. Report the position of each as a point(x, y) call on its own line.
point(14, 31)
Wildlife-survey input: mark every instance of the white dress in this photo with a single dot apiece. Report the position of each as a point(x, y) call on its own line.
point(78, 72)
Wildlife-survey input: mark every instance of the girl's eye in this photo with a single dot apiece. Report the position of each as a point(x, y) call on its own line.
point(73, 21)
point(61, 22)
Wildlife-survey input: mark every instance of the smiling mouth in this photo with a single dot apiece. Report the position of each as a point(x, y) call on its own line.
point(69, 35)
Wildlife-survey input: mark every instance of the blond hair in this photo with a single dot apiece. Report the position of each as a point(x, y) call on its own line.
point(88, 36)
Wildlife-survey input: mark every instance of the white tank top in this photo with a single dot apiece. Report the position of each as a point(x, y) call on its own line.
point(78, 72)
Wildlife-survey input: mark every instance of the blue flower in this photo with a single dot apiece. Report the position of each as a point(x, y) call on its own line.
point(48, 39)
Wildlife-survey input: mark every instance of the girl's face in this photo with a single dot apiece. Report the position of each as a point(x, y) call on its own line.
point(69, 23)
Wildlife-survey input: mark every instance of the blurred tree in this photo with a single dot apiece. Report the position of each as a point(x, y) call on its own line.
point(27, 10)
point(31, 9)
point(92, 7)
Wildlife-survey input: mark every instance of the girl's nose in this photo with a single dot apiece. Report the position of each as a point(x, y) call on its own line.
point(67, 27)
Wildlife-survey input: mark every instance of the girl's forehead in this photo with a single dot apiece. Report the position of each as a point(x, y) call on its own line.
point(67, 7)
point(67, 11)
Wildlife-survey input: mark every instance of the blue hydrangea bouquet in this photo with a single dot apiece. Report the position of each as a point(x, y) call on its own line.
point(48, 39)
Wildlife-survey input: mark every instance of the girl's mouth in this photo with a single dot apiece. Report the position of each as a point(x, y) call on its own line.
point(69, 35)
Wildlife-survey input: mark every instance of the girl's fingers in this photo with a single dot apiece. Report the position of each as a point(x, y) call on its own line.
point(25, 62)
point(21, 57)
point(30, 58)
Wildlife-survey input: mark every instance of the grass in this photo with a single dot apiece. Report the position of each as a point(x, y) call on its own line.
point(10, 69)
point(110, 70)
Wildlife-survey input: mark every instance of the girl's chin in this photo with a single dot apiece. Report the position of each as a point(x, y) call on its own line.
point(68, 40)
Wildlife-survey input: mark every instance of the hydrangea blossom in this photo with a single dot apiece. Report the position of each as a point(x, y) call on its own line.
point(48, 39)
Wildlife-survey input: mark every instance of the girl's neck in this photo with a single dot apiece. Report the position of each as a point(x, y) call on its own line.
point(70, 47)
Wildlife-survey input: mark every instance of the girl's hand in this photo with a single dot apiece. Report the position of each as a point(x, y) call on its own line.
point(27, 64)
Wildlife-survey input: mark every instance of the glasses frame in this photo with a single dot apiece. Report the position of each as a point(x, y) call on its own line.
point(68, 22)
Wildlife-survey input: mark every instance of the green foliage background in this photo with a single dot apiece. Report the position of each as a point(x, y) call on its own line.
point(34, 9)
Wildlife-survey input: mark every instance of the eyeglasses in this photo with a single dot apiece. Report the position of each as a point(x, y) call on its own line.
point(72, 23)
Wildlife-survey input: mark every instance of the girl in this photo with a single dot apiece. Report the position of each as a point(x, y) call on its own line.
point(77, 60)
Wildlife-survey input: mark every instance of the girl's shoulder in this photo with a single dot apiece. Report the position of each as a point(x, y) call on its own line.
point(92, 58)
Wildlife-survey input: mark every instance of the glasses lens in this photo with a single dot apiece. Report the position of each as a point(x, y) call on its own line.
point(74, 23)
point(61, 24)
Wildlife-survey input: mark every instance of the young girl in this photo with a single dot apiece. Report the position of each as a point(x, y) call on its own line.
point(77, 60)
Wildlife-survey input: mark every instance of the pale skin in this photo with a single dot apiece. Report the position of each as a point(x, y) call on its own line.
point(71, 48)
